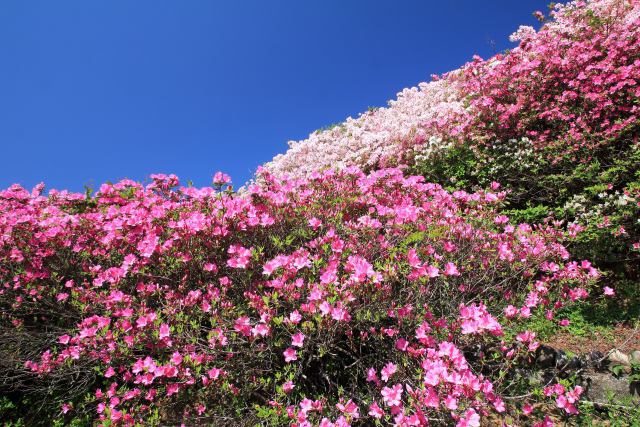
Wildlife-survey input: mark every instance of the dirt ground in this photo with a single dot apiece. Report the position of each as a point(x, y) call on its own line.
point(625, 338)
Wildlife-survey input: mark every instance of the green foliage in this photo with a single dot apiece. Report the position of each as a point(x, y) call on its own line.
point(616, 413)
point(598, 189)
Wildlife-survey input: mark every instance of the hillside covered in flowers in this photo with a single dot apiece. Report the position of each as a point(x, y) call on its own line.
point(408, 267)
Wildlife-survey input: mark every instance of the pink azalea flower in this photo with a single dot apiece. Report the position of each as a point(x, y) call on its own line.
point(392, 396)
point(172, 389)
point(402, 344)
point(450, 269)
point(470, 419)
point(260, 330)
point(349, 408)
point(375, 411)
point(372, 376)
point(164, 331)
point(109, 372)
point(290, 355)
point(210, 267)
point(298, 340)
point(141, 322)
point(315, 223)
point(214, 373)
point(432, 271)
point(288, 386)
point(451, 403)
point(388, 371)
point(295, 317)
point(220, 178)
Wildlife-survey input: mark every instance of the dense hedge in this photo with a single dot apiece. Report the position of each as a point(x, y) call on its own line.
point(345, 297)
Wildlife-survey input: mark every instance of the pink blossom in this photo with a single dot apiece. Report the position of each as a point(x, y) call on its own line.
point(298, 340)
point(372, 376)
point(450, 269)
point(288, 386)
point(295, 317)
point(109, 372)
point(470, 419)
point(220, 178)
point(164, 331)
point(388, 370)
point(261, 330)
point(314, 223)
point(375, 411)
point(172, 389)
point(392, 396)
point(176, 358)
point(290, 355)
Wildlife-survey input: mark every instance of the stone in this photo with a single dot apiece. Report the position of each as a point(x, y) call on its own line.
point(596, 360)
point(602, 388)
point(566, 363)
point(536, 378)
point(634, 357)
point(616, 357)
point(619, 361)
point(546, 357)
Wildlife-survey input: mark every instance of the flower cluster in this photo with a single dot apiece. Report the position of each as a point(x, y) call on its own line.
point(569, 86)
point(325, 300)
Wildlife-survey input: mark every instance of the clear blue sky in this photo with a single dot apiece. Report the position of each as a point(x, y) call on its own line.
point(95, 90)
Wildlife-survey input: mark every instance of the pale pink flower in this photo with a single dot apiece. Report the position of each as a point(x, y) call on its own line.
point(450, 269)
point(388, 371)
point(470, 419)
point(220, 178)
point(392, 396)
point(298, 339)
point(375, 411)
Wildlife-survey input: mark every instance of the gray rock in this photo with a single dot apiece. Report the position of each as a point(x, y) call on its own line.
point(602, 388)
point(565, 363)
point(536, 377)
point(634, 357)
point(546, 357)
point(596, 360)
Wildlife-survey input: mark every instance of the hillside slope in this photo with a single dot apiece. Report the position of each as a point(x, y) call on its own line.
point(404, 268)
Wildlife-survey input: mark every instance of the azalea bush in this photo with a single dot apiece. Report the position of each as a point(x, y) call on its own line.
point(573, 84)
point(555, 120)
point(340, 299)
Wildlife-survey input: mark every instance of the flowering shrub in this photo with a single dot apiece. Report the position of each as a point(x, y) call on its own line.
point(554, 120)
point(339, 299)
point(376, 137)
point(572, 85)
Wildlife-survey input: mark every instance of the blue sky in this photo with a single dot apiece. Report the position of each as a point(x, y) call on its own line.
point(96, 90)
